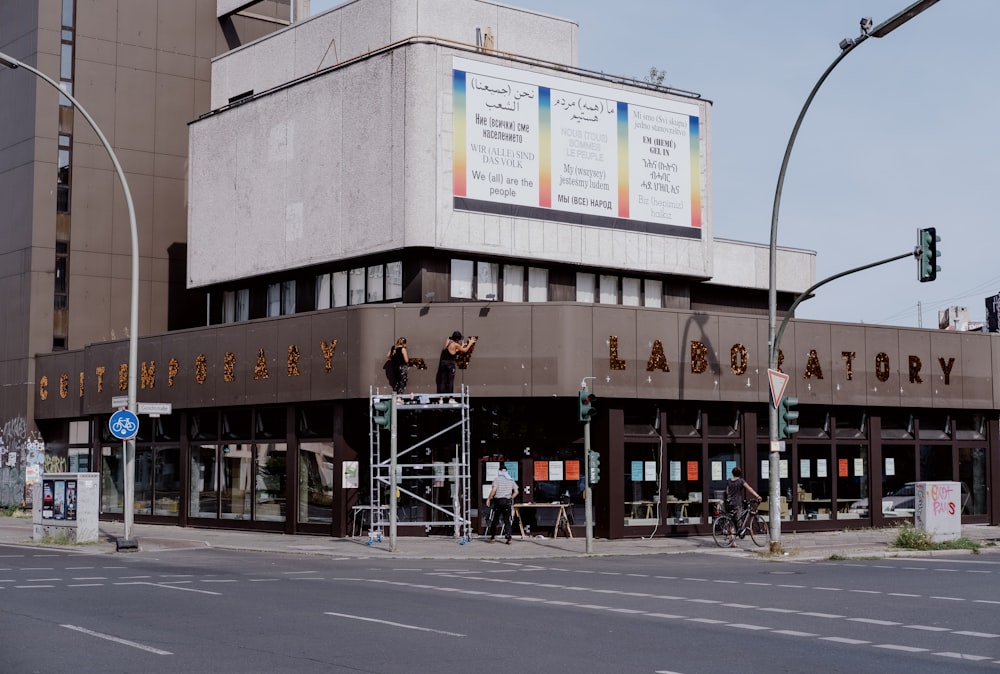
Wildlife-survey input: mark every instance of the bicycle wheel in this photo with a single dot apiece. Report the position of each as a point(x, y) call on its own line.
point(758, 530)
point(724, 531)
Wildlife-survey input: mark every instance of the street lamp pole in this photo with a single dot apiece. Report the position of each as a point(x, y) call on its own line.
point(133, 343)
point(847, 45)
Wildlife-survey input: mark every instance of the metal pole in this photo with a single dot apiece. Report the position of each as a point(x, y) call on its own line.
point(846, 47)
point(588, 499)
point(393, 462)
point(133, 344)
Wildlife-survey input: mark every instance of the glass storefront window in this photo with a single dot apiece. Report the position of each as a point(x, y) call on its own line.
point(167, 481)
point(269, 482)
point(143, 480)
point(972, 472)
point(235, 482)
point(642, 483)
point(722, 458)
point(813, 483)
point(851, 473)
point(684, 492)
point(764, 483)
point(316, 482)
point(112, 479)
point(204, 497)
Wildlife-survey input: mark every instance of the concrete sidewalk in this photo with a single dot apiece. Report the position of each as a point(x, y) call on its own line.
point(853, 543)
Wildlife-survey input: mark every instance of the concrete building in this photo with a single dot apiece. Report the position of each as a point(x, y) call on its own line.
point(391, 169)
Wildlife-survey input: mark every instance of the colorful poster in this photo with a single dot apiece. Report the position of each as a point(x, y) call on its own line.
point(541, 471)
point(71, 500)
point(350, 474)
point(573, 470)
point(533, 145)
point(692, 470)
point(512, 469)
point(841, 467)
point(637, 471)
point(48, 498)
point(59, 499)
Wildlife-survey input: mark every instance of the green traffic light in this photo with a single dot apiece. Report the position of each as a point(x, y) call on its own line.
point(586, 410)
point(787, 417)
point(927, 254)
point(385, 408)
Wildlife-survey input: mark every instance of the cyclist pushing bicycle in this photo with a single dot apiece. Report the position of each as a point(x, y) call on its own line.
point(737, 490)
point(741, 515)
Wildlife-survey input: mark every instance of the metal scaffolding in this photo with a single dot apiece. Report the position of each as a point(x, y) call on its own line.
point(432, 471)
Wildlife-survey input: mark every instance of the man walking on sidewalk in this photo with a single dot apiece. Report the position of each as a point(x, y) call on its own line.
point(501, 496)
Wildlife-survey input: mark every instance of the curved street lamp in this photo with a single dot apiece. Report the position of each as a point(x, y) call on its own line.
point(13, 63)
point(847, 45)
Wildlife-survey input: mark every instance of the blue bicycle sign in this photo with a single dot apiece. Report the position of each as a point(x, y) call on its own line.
point(124, 424)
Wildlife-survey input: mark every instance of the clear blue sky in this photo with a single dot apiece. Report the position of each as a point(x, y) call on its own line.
point(905, 133)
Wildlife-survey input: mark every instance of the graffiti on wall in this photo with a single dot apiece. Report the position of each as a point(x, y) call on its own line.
point(19, 448)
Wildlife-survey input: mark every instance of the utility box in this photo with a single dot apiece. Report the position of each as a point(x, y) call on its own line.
point(65, 507)
point(938, 510)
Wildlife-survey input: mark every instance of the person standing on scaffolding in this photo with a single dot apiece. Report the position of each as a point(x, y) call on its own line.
point(502, 494)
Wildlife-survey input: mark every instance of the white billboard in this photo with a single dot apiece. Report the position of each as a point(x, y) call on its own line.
point(532, 145)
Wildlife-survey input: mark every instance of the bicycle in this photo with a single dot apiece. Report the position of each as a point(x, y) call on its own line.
point(727, 527)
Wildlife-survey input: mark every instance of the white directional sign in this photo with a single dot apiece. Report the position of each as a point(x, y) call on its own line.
point(155, 409)
point(778, 381)
point(119, 401)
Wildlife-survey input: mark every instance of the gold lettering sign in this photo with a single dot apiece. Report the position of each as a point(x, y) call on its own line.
point(147, 375)
point(229, 366)
point(813, 368)
point(657, 358)
point(882, 366)
point(699, 357)
point(81, 384)
point(614, 362)
point(848, 357)
point(915, 370)
point(123, 377)
point(293, 361)
point(328, 351)
point(738, 359)
point(260, 369)
point(63, 385)
point(100, 379)
point(43, 388)
point(173, 367)
point(946, 369)
point(200, 368)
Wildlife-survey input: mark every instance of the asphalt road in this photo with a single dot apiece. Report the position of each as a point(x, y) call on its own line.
point(227, 611)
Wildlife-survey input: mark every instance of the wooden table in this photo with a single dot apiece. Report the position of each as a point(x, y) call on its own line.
point(562, 518)
point(815, 503)
point(638, 506)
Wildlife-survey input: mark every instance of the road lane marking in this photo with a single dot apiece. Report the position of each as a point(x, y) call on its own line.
point(905, 649)
point(873, 621)
point(169, 586)
point(963, 656)
point(744, 626)
point(927, 628)
point(85, 585)
point(393, 624)
point(31, 587)
point(118, 640)
point(92, 578)
point(845, 640)
point(795, 633)
point(984, 635)
point(813, 614)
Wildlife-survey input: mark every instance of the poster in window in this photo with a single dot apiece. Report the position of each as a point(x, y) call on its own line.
point(675, 471)
point(804, 468)
point(492, 468)
point(511, 469)
point(890, 466)
point(783, 469)
point(859, 467)
point(716, 470)
point(71, 500)
point(729, 469)
point(765, 469)
point(841, 467)
point(555, 470)
point(650, 475)
point(636, 471)
point(573, 470)
point(350, 474)
point(692, 470)
point(820, 467)
point(541, 471)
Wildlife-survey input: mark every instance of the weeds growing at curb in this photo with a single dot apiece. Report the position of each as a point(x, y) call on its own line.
point(910, 538)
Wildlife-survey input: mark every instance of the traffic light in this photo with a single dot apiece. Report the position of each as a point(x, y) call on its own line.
point(383, 409)
point(927, 254)
point(586, 405)
point(787, 417)
point(595, 467)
